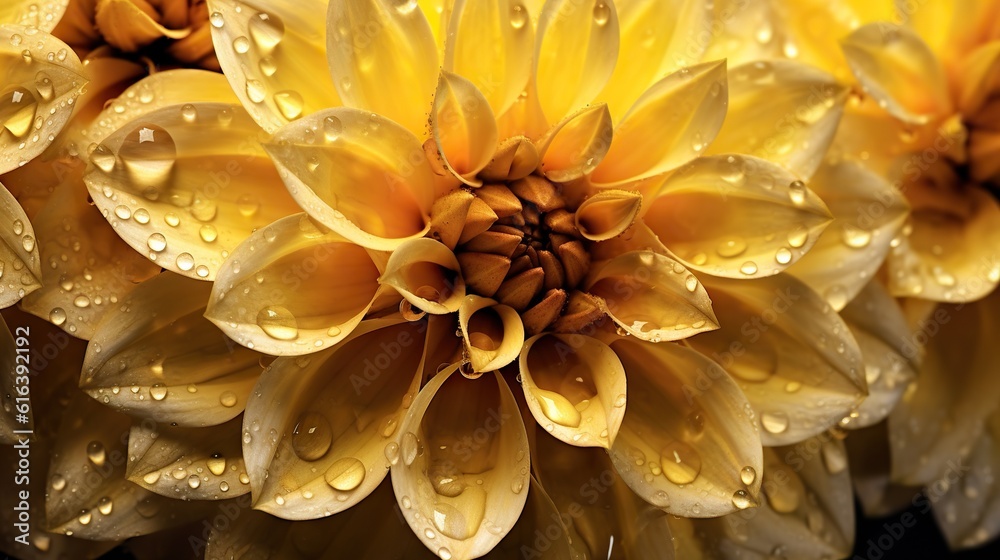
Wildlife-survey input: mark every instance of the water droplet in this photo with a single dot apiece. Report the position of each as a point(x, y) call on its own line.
point(266, 30)
point(185, 261)
point(57, 316)
point(58, 482)
point(855, 237)
point(731, 248)
point(691, 283)
point(312, 436)
point(680, 462)
point(256, 90)
point(241, 44)
point(189, 113)
point(217, 20)
point(148, 153)
point(96, 453)
point(278, 323)
point(228, 399)
point(208, 233)
point(194, 481)
point(741, 499)
point(602, 13)
point(158, 391)
point(774, 422)
point(289, 103)
point(749, 268)
point(797, 192)
point(105, 505)
point(798, 236)
point(141, 216)
point(17, 110)
point(556, 407)
point(156, 242)
point(85, 518)
point(783, 256)
point(409, 445)
point(216, 464)
point(345, 474)
point(748, 475)
point(518, 15)
point(452, 522)
point(267, 66)
point(332, 128)
point(392, 452)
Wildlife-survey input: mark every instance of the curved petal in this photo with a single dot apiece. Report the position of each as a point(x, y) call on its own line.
point(186, 185)
point(461, 469)
point(13, 376)
point(652, 297)
point(128, 28)
point(981, 74)
point(879, 326)
point(293, 289)
point(577, 145)
point(657, 37)
point(493, 333)
point(505, 23)
point(327, 155)
point(608, 214)
point(868, 213)
point(271, 52)
point(30, 13)
point(808, 511)
point(88, 268)
point(672, 123)
point(384, 59)
point(942, 414)
point(736, 216)
point(897, 68)
point(790, 353)
point(575, 387)
point(968, 512)
point(540, 514)
point(18, 252)
point(949, 253)
point(188, 463)
point(463, 126)
point(191, 376)
point(782, 111)
point(688, 437)
point(427, 274)
point(316, 430)
point(90, 497)
point(38, 93)
point(600, 515)
point(575, 53)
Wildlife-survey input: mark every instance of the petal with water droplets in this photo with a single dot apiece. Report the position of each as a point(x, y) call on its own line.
point(493, 333)
point(427, 274)
point(575, 387)
point(384, 59)
point(42, 15)
point(325, 156)
point(608, 214)
point(463, 126)
point(790, 353)
point(782, 111)
point(672, 123)
point(652, 297)
point(687, 436)
point(462, 495)
point(188, 463)
point(868, 213)
point(38, 94)
point(317, 431)
point(736, 216)
point(185, 185)
point(898, 69)
point(18, 252)
point(192, 376)
point(575, 53)
point(273, 54)
point(577, 145)
point(293, 289)
point(505, 23)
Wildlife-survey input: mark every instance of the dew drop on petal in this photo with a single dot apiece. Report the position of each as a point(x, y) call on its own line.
point(345, 474)
point(312, 436)
point(680, 462)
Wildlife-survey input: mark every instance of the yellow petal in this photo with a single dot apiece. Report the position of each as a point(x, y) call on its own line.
point(384, 59)
point(274, 56)
point(325, 156)
point(968, 512)
point(980, 76)
point(890, 363)
point(601, 516)
point(949, 254)
point(792, 355)
point(736, 216)
point(506, 24)
point(330, 418)
point(575, 388)
point(949, 31)
point(686, 439)
point(18, 252)
point(672, 123)
point(92, 440)
point(898, 69)
point(38, 95)
point(493, 333)
point(95, 117)
point(652, 297)
point(525, 117)
point(782, 111)
point(188, 463)
point(808, 510)
point(30, 13)
point(464, 127)
point(193, 376)
point(292, 289)
point(13, 377)
point(185, 185)
point(943, 413)
point(577, 145)
point(608, 214)
point(868, 213)
point(125, 26)
point(539, 514)
point(438, 15)
point(426, 274)
point(657, 37)
point(444, 503)
point(575, 54)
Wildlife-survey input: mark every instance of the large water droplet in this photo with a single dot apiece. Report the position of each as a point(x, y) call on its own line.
point(556, 407)
point(266, 30)
point(96, 453)
point(17, 110)
point(278, 323)
point(345, 474)
point(680, 462)
point(216, 464)
point(312, 436)
point(774, 422)
point(730, 248)
point(148, 153)
point(289, 102)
